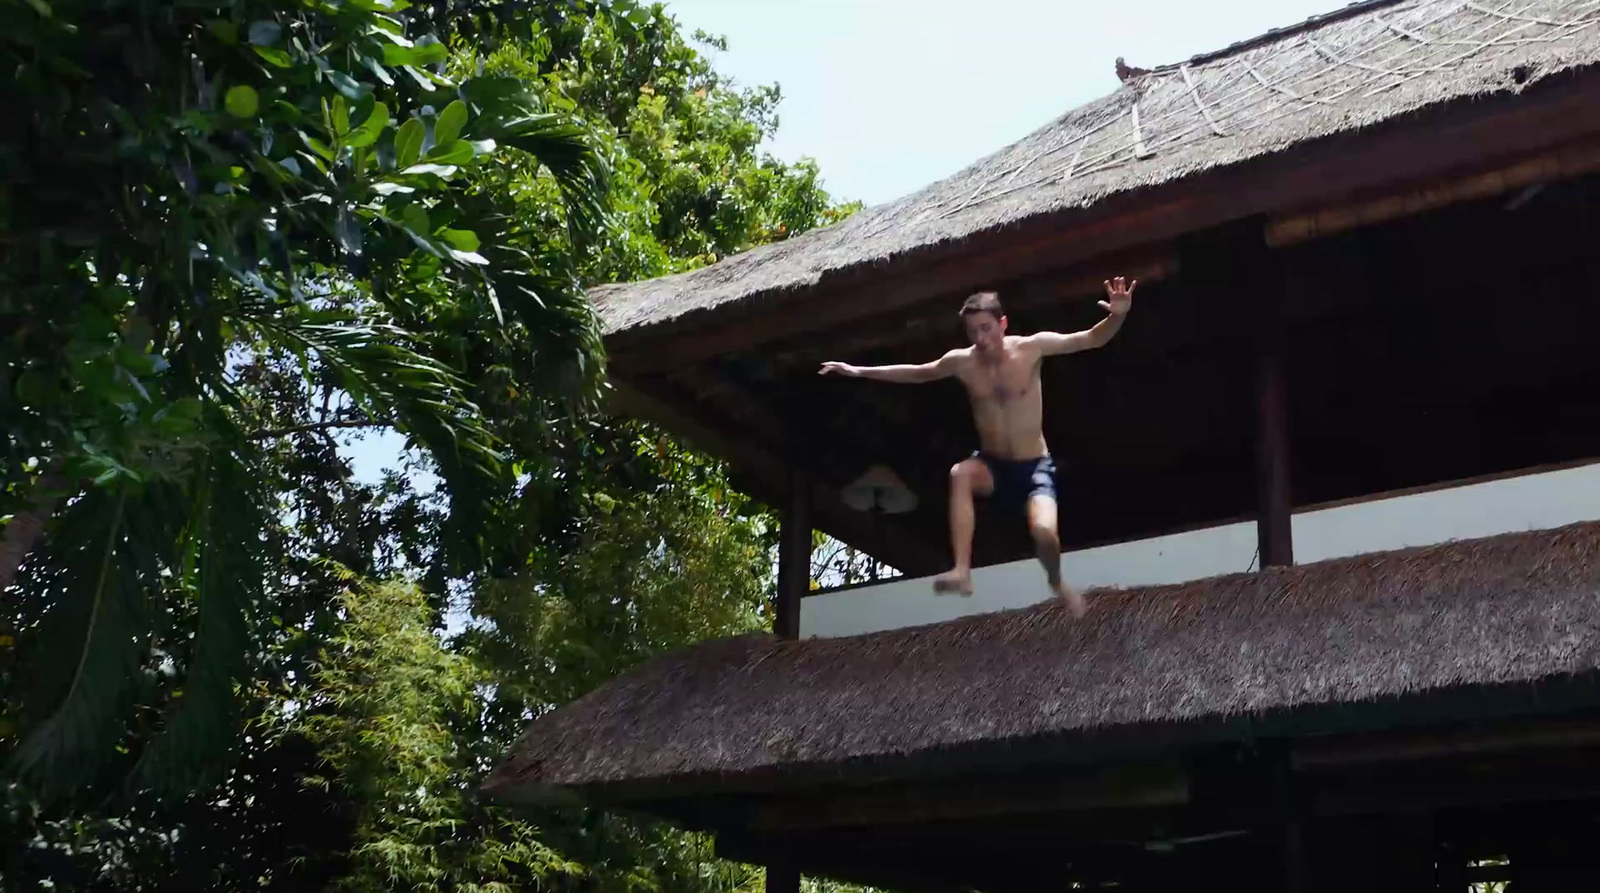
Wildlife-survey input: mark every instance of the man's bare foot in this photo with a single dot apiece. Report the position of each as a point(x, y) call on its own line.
point(958, 581)
point(1072, 597)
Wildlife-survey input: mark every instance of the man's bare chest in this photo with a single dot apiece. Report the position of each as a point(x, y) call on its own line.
point(1005, 382)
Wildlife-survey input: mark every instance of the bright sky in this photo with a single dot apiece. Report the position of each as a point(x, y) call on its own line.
point(891, 95)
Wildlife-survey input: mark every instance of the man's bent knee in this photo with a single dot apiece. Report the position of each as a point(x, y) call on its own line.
point(1044, 534)
point(965, 474)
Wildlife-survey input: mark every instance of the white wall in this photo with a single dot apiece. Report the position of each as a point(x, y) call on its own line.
point(1533, 502)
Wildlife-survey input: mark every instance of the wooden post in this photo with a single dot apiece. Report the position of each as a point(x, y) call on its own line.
point(1274, 501)
point(1291, 814)
point(794, 581)
point(1294, 856)
point(1239, 286)
point(794, 557)
point(782, 879)
point(1409, 854)
point(1274, 531)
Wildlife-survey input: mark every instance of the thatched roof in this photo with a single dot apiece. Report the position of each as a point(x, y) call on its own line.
point(1368, 63)
point(1397, 628)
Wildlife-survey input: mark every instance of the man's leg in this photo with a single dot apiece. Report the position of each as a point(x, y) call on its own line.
point(968, 478)
point(1043, 526)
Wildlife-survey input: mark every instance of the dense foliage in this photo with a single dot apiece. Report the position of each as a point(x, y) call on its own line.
point(312, 220)
point(194, 184)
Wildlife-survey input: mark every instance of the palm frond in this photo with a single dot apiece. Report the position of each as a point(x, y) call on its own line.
point(105, 564)
point(567, 150)
point(559, 323)
point(224, 575)
point(512, 114)
point(424, 399)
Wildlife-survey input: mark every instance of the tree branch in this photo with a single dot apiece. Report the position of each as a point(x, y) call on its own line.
point(271, 433)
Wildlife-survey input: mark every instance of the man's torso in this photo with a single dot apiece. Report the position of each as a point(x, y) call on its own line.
point(1007, 401)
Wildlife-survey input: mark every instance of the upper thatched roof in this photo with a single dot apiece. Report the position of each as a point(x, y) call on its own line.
point(1368, 63)
point(1514, 609)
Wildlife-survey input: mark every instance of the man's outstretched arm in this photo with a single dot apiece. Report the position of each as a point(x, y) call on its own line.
point(944, 367)
point(1119, 300)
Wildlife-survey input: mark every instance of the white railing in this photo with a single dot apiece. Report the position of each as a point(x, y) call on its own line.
point(1533, 501)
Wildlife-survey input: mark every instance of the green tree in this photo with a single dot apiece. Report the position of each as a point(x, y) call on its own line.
point(689, 181)
point(602, 542)
point(187, 184)
point(635, 545)
point(387, 708)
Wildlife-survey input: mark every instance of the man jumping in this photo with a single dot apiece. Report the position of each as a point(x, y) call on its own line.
point(1012, 464)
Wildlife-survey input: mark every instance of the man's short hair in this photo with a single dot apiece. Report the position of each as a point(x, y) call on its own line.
point(983, 302)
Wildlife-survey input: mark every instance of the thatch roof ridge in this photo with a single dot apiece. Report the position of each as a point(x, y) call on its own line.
point(1356, 8)
point(1516, 609)
point(1335, 73)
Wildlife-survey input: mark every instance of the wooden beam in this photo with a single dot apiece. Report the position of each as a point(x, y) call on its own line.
point(731, 399)
point(1370, 750)
point(1274, 528)
point(1113, 787)
point(1462, 134)
point(768, 481)
point(782, 878)
point(1147, 265)
point(794, 557)
point(983, 857)
point(1554, 775)
point(1274, 499)
point(737, 408)
point(1545, 167)
point(859, 296)
point(889, 869)
point(930, 321)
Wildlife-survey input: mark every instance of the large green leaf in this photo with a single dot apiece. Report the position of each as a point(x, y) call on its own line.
point(566, 150)
point(371, 129)
point(224, 575)
point(105, 561)
point(451, 121)
point(408, 143)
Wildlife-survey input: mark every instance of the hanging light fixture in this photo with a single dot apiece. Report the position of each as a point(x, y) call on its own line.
point(879, 491)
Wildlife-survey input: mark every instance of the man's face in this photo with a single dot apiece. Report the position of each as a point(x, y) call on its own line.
point(984, 330)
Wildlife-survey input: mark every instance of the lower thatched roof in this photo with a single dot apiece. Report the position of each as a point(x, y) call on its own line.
point(1514, 609)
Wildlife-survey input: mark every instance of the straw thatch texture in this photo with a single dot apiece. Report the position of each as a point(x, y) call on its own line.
point(1371, 62)
point(1513, 609)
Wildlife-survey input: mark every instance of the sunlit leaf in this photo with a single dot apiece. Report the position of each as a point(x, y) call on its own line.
point(462, 239)
point(408, 142)
point(450, 123)
point(372, 128)
point(275, 56)
point(457, 152)
point(438, 170)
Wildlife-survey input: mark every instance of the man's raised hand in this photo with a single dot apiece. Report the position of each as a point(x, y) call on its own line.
point(844, 369)
point(1119, 296)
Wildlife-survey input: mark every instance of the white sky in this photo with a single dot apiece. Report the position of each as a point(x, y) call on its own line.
point(891, 95)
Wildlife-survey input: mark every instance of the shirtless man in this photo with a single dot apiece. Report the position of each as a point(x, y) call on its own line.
point(1012, 464)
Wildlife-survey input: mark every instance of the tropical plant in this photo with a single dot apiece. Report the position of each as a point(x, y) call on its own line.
point(594, 544)
point(386, 708)
point(185, 184)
